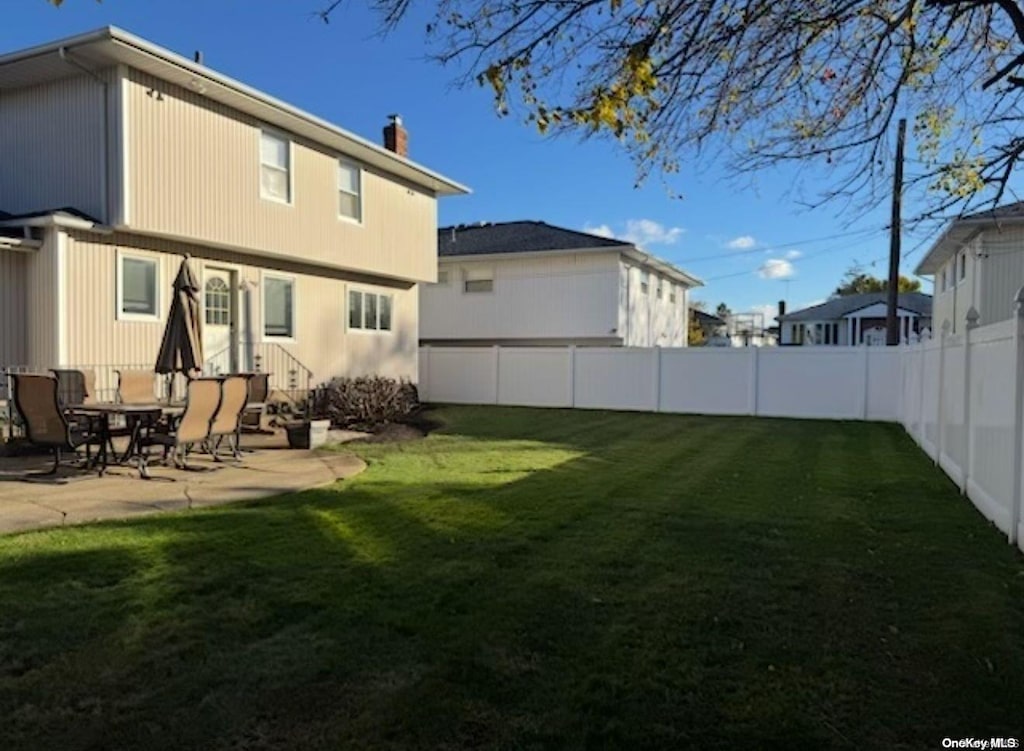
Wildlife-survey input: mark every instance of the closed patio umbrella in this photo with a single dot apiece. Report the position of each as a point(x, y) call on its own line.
point(182, 348)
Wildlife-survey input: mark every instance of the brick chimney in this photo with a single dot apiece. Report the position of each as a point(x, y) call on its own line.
point(396, 138)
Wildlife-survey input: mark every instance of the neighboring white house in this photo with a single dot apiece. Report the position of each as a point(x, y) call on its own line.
point(855, 320)
point(529, 283)
point(977, 261)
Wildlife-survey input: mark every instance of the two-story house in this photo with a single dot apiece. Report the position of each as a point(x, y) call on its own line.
point(977, 261)
point(118, 158)
point(533, 284)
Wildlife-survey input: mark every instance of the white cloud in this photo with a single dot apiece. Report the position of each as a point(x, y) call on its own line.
point(768, 311)
point(776, 268)
point(743, 242)
point(793, 254)
point(601, 230)
point(640, 232)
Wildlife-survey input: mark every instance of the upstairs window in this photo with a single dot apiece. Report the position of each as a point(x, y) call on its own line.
point(672, 293)
point(659, 284)
point(478, 281)
point(275, 167)
point(961, 267)
point(442, 277)
point(350, 191)
point(643, 282)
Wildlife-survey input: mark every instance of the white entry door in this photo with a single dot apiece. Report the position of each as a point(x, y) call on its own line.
point(220, 320)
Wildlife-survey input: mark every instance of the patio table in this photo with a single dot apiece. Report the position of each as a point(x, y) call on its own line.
point(136, 417)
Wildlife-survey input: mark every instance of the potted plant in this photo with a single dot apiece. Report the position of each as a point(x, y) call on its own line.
point(307, 430)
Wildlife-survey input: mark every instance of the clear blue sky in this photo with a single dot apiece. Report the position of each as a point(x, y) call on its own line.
point(345, 73)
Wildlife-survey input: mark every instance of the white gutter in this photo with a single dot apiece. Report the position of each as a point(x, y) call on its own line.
point(20, 244)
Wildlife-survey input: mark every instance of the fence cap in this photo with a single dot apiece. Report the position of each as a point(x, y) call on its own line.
point(972, 317)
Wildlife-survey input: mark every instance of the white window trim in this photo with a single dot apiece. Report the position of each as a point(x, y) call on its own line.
point(369, 291)
point(291, 165)
point(359, 168)
point(264, 275)
point(138, 317)
point(962, 255)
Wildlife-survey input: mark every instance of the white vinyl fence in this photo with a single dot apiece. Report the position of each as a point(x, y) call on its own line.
point(960, 397)
point(843, 383)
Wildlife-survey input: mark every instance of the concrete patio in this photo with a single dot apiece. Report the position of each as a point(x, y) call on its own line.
point(267, 468)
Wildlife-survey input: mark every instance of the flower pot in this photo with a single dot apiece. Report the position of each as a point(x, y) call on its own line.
point(307, 434)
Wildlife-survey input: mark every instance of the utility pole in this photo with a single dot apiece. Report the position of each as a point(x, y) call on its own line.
point(892, 323)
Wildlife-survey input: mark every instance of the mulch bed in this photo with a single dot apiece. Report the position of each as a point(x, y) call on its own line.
point(417, 426)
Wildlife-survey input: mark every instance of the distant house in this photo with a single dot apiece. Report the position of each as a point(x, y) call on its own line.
point(530, 283)
point(977, 261)
point(854, 320)
point(710, 326)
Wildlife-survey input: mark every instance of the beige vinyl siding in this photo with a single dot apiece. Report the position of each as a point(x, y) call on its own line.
point(953, 303)
point(194, 172)
point(1002, 273)
point(42, 282)
point(13, 310)
point(52, 147)
point(322, 342)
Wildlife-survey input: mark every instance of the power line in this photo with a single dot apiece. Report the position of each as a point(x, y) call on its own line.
point(783, 246)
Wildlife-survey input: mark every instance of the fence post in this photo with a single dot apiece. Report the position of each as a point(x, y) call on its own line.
point(496, 349)
point(866, 371)
point(424, 385)
point(755, 375)
point(657, 378)
point(1018, 412)
point(922, 359)
point(940, 421)
point(572, 375)
point(972, 323)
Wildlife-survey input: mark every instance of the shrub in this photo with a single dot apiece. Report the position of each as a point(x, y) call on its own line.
point(365, 402)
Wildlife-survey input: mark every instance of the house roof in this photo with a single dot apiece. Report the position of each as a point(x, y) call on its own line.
point(706, 319)
point(67, 211)
point(960, 231)
point(517, 237)
point(110, 46)
point(521, 237)
point(838, 307)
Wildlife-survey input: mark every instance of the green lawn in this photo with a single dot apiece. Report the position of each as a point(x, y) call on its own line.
point(535, 579)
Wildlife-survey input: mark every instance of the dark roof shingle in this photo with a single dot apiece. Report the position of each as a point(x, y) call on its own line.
point(517, 237)
point(836, 308)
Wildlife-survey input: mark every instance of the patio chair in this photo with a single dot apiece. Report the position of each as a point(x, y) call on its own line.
point(75, 387)
point(37, 400)
point(136, 386)
point(256, 407)
point(227, 423)
point(202, 399)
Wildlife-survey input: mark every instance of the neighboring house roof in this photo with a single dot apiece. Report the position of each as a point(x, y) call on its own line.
point(517, 237)
point(706, 319)
point(510, 238)
point(110, 46)
point(836, 308)
point(960, 231)
point(68, 211)
point(68, 216)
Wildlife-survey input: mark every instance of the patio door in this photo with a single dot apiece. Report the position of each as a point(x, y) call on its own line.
point(220, 320)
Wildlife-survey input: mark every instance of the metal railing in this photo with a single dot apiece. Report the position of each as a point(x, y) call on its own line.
point(290, 381)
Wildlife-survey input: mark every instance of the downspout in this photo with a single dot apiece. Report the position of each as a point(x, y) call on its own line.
point(63, 52)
